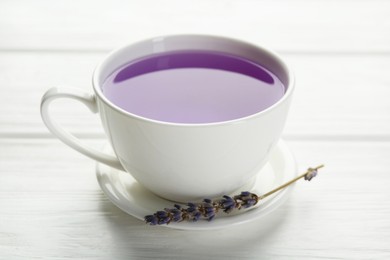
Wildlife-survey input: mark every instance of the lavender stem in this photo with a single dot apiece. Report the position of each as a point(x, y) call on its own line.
point(290, 182)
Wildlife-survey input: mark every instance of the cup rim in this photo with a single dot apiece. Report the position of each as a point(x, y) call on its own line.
point(289, 88)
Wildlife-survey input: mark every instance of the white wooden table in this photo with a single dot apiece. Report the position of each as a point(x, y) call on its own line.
point(51, 206)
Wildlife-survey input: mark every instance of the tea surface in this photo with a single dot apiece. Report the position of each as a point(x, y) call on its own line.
point(193, 87)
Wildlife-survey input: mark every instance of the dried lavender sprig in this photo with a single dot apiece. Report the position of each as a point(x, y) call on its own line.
point(204, 210)
point(208, 208)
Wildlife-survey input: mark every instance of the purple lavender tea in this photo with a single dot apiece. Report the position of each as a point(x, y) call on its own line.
point(193, 87)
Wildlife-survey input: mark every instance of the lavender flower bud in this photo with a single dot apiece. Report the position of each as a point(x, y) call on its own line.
point(151, 219)
point(227, 204)
point(191, 205)
point(249, 203)
point(161, 214)
point(245, 193)
point(164, 220)
point(207, 200)
point(196, 216)
point(311, 174)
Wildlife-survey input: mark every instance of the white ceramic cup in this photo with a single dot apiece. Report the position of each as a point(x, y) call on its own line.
point(181, 162)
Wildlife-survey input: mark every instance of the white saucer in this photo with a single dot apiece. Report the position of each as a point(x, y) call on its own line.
point(124, 191)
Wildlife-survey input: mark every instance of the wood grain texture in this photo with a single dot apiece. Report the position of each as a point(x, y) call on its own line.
point(303, 26)
point(52, 208)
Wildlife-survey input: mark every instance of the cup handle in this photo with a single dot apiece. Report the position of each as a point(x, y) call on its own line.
point(90, 101)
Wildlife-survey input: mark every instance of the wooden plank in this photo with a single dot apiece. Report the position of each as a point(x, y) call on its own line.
point(51, 207)
point(340, 95)
point(299, 26)
point(24, 79)
point(336, 95)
